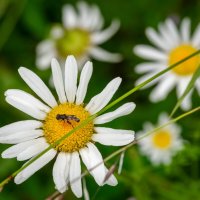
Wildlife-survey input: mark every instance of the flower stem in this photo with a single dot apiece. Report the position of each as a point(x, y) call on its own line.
point(95, 115)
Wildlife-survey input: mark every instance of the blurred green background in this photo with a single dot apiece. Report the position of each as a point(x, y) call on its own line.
point(23, 24)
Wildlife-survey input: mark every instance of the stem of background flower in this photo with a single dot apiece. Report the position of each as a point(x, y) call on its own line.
point(94, 116)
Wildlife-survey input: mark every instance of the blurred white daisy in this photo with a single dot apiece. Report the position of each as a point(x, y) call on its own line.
point(163, 144)
point(54, 119)
point(80, 35)
point(172, 45)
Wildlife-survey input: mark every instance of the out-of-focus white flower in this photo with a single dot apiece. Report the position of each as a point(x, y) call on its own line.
point(172, 45)
point(53, 119)
point(80, 35)
point(163, 144)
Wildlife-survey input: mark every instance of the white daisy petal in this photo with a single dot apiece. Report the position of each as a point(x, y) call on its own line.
point(69, 17)
point(103, 36)
point(150, 53)
point(185, 30)
point(170, 25)
point(22, 136)
point(163, 88)
point(121, 111)
point(101, 100)
point(38, 86)
point(156, 39)
point(35, 166)
point(112, 181)
point(113, 137)
point(58, 80)
point(20, 126)
point(71, 73)
point(44, 46)
point(19, 94)
point(75, 175)
point(61, 171)
point(149, 67)
point(57, 32)
point(196, 37)
point(14, 150)
point(84, 12)
point(26, 107)
point(33, 150)
point(187, 103)
point(103, 55)
point(91, 158)
point(85, 76)
point(182, 85)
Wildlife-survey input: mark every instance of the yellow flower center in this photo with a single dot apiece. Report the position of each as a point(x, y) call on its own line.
point(187, 67)
point(74, 42)
point(162, 139)
point(62, 119)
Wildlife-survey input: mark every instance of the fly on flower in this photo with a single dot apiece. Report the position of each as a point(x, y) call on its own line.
point(171, 46)
point(79, 35)
point(163, 144)
point(31, 137)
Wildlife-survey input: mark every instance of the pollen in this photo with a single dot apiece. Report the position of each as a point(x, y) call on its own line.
point(189, 66)
point(162, 139)
point(55, 128)
point(73, 42)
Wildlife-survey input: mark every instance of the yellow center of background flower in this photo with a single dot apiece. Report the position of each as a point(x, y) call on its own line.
point(162, 139)
point(74, 42)
point(188, 67)
point(55, 128)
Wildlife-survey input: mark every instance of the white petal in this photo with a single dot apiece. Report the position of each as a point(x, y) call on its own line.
point(149, 67)
point(91, 158)
point(103, 36)
point(196, 37)
point(69, 17)
point(113, 137)
point(38, 86)
point(86, 74)
point(14, 150)
point(26, 107)
point(170, 25)
point(75, 175)
point(35, 166)
point(71, 73)
point(61, 171)
point(57, 32)
point(185, 30)
point(163, 88)
point(121, 111)
point(187, 103)
point(19, 94)
point(33, 150)
point(101, 100)
point(182, 85)
point(84, 11)
point(22, 136)
point(156, 39)
point(20, 126)
point(103, 55)
point(112, 181)
point(58, 80)
point(44, 46)
point(150, 53)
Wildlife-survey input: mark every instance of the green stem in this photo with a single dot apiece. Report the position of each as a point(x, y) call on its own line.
point(95, 115)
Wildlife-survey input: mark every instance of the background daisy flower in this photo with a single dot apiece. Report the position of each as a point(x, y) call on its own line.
point(79, 35)
point(53, 119)
point(160, 146)
point(171, 45)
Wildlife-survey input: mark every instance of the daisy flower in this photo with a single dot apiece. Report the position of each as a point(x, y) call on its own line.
point(79, 35)
point(163, 144)
point(171, 45)
point(53, 119)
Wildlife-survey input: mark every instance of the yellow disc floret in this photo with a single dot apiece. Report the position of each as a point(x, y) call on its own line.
point(189, 66)
point(73, 42)
point(162, 139)
point(71, 115)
